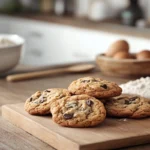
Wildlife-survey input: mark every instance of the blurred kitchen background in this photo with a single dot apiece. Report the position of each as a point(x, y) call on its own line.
point(68, 31)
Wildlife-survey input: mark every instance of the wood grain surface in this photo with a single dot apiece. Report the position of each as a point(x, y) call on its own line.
point(13, 138)
point(112, 133)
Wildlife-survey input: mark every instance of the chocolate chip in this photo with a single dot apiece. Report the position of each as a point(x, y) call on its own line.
point(133, 98)
point(30, 100)
point(103, 86)
point(130, 100)
point(89, 102)
point(127, 102)
point(47, 90)
point(68, 116)
point(61, 96)
point(85, 81)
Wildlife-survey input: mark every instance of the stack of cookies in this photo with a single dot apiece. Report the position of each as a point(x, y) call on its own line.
point(86, 103)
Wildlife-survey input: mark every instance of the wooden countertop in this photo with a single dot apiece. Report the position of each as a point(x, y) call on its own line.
point(109, 26)
point(13, 138)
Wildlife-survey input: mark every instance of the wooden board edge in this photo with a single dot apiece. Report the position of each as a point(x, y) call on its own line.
point(115, 144)
point(8, 113)
point(66, 144)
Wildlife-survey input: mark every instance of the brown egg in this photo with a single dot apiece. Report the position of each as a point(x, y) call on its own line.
point(145, 54)
point(122, 55)
point(120, 45)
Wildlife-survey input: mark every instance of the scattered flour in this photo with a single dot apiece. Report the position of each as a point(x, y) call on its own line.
point(140, 86)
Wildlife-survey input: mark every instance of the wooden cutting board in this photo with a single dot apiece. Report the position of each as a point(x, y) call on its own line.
point(113, 133)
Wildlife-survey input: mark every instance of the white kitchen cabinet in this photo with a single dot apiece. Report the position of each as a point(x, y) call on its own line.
point(4, 25)
point(34, 40)
point(49, 43)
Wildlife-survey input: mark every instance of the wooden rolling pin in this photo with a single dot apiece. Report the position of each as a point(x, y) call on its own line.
point(39, 74)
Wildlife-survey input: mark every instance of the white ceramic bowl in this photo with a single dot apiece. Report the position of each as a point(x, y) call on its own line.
point(10, 55)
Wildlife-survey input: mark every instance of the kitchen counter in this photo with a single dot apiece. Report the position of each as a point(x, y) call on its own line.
point(110, 25)
point(15, 138)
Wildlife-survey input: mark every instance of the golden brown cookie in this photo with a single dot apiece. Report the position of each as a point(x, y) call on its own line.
point(95, 87)
point(78, 111)
point(130, 106)
point(39, 103)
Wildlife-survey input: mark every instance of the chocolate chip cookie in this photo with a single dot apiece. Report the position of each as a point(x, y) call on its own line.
point(78, 111)
point(130, 106)
point(95, 87)
point(39, 103)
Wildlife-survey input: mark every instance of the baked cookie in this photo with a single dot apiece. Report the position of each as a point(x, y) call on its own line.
point(95, 87)
point(78, 111)
point(130, 106)
point(39, 103)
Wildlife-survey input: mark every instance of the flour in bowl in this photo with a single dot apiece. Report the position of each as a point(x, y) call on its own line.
point(5, 42)
point(140, 86)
